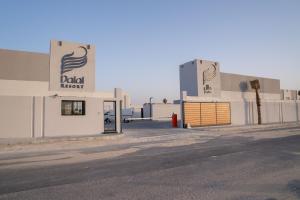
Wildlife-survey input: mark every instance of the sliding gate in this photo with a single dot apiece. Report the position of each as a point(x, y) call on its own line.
point(206, 113)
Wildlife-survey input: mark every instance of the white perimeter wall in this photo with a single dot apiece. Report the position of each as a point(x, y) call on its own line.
point(162, 111)
point(15, 116)
point(146, 110)
point(165, 111)
point(245, 112)
point(244, 109)
point(290, 111)
point(27, 116)
point(88, 124)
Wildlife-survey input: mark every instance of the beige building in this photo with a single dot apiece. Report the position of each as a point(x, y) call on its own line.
point(290, 95)
point(46, 95)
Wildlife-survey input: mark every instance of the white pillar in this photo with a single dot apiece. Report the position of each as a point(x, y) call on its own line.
point(183, 96)
point(118, 97)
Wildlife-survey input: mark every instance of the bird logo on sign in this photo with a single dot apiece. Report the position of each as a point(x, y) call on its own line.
point(210, 73)
point(70, 62)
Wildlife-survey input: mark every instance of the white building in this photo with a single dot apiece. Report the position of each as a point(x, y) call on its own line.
point(45, 95)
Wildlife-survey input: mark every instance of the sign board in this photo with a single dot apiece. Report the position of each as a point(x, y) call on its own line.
point(72, 67)
point(209, 78)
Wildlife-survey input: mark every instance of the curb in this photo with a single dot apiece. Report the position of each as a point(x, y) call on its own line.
point(245, 127)
point(49, 140)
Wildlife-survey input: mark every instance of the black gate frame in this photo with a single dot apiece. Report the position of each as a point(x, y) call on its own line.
point(115, 114)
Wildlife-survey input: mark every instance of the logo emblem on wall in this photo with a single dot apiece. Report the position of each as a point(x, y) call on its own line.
point(208, 75)
point(68, 63)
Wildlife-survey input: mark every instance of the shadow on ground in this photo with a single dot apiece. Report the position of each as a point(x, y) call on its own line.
point(147, 124)
point(294, 186)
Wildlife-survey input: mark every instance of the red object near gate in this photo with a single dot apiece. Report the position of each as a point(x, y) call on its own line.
point(174, 120)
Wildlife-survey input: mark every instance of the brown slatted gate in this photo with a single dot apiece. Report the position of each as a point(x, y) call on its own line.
point(206, 113)
point(193, 116)
point(223, 113)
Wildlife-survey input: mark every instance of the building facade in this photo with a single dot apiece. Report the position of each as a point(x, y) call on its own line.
point(46, 95)
point(210, 97)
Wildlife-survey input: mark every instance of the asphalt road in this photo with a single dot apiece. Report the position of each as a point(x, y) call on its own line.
point(221, 168)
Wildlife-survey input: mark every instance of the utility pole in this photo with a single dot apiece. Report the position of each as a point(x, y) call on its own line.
point(256, 86)
point(150, 100)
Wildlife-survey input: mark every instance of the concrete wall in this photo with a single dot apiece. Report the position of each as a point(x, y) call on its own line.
point(245, 112)
point(16, 117)
point(241, 83)
point(233, 96)
point(240, 112)
point(294, 94)
point(23, 88)
point(57, 125)
point(165, 111)
point(26, 66)
point(37, 116)
point(40, 88)
point(188, 78)
point(290, 111)
point(288, 94)
point(162, 111)
point(270, 112)
point(146, 110)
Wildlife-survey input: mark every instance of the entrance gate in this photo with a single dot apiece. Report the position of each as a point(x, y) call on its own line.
point(109, 116)
point(206, 113)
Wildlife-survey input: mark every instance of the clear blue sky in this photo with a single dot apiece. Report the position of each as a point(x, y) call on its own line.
point(140, 43)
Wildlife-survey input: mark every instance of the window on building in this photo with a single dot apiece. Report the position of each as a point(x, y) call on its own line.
point(69, 107)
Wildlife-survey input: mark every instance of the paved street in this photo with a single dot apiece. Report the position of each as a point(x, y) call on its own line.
point(233, 163)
